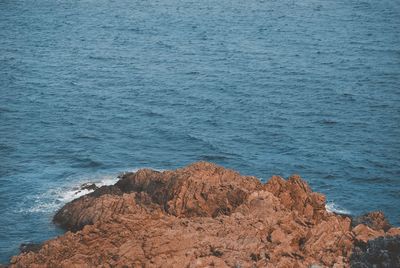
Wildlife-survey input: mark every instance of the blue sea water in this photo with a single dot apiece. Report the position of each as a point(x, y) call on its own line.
point(92, 88)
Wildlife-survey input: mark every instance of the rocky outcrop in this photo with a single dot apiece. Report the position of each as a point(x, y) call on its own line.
point(375, 220)
point(198, 190)
point(204, 215)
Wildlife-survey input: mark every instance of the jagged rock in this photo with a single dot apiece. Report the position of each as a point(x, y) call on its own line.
point(363, 233)
point(200, 216)
point(295, 194)
point(375, 220)
point(89, 186)
point(393, 232)
point(200, 189)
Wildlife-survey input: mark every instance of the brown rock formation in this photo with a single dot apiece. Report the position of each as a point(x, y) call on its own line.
point(199, 216)
point(375, 220)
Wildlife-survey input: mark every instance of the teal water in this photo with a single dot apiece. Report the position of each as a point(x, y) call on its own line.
point(89, 89)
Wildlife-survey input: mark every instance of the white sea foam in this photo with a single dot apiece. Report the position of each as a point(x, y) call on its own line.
point(69, 195)
point(55, 197)
point(332, 207)
point(71, 192)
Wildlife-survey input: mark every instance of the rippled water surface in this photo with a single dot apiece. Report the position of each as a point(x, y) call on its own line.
point(92, 88)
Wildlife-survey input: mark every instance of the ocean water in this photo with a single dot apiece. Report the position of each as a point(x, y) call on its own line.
point(92, 88)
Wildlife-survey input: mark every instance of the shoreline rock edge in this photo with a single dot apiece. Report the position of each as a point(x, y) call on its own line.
point(205, 215)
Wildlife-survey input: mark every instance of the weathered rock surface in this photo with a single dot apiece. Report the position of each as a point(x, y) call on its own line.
point(204, 215)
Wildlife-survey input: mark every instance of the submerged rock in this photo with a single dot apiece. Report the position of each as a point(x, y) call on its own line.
point(199, 216)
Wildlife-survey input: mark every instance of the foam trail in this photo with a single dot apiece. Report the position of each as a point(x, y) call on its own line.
point(75, 191)
point(332, 207)
point(54, 198)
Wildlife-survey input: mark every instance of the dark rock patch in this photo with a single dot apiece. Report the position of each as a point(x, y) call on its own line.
point(381, 252)
point(30, 247)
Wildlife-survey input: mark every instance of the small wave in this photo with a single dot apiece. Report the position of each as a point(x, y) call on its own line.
point(371, 180)
point(201, 140)
point(87, 163)
point(87, 137)
point(328, 122)
point(348, 96)
point(192, 73)
point(5, 148)
point(214, 158)
point(332, 207)
point(153, 114)
point(101, 58)
point(5, 110)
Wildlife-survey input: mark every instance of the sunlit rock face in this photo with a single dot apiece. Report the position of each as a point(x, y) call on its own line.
point(205, 215)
